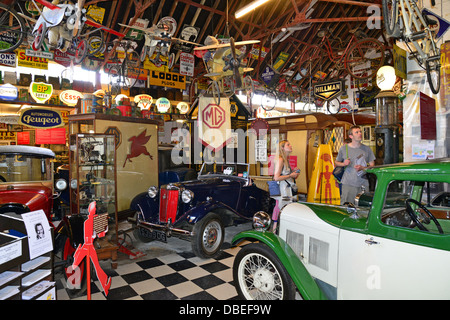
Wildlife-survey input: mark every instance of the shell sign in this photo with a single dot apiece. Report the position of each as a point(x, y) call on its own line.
point(70, 97)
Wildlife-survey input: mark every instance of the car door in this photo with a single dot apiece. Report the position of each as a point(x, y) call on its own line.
point(395, 259)
point(374, 267)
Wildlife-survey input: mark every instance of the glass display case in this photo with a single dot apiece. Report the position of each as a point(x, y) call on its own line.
point(92, 173)
point(92, 159)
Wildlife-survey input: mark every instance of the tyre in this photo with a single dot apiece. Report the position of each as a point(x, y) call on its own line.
point(81, 51)
point(364, 54)
point(139, 233)
point(208, 236)
point(269, 100)
point(311, 58)
point(333, 106)
point(258, 274)
point(11, 22)
point(390, 17)
point(39, 36)
point(433, 68)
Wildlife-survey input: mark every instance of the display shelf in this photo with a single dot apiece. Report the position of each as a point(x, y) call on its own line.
point(92, 163)
point(17, 272)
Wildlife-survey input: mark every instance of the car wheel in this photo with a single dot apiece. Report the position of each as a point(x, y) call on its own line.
point(259, 275)
point(208, 236)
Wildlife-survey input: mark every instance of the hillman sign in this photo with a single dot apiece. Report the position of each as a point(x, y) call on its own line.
point(329, 90)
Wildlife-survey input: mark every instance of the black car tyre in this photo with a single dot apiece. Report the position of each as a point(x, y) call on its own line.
point(258, 274)
point(208, 236)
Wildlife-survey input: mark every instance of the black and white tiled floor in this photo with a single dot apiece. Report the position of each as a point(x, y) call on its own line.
point(172, 274)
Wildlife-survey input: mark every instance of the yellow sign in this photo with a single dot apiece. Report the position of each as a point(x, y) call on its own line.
point(328, 90)
point(399, 61)
point(167, 79)
point(31, 62)
point(7, 135)
point(323, 188)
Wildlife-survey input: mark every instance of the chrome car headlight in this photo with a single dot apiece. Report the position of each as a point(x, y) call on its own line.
point(152, 191)
point(73, 183)
point(61, 184)
point(261, 221)
point(187, 196)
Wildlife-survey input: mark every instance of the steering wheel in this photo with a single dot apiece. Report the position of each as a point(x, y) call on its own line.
point(415, 218)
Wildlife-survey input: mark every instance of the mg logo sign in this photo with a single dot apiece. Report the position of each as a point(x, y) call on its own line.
point(213, 116)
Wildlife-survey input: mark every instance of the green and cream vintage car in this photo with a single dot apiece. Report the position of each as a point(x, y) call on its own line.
point(397, 246)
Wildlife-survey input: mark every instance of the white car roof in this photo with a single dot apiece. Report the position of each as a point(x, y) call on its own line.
point(27, 150)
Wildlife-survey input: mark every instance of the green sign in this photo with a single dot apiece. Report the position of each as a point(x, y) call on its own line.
point(40, 91)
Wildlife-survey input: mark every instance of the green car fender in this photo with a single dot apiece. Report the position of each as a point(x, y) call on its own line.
point(306, 285)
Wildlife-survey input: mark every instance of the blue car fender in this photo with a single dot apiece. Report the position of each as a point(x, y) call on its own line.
point(202, 209)
point(305, 283)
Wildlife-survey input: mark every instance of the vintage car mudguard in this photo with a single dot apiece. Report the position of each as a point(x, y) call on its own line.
point(306, 285)
point(203, 208)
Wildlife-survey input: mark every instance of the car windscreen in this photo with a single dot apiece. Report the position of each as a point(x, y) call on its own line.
point(24, 168)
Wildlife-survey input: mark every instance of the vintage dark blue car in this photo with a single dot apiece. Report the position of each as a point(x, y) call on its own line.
point(199, 210)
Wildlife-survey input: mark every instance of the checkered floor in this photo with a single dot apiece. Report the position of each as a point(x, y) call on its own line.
point(171, 275)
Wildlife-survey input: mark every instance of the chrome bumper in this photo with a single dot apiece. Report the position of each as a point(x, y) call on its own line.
point(168, 229)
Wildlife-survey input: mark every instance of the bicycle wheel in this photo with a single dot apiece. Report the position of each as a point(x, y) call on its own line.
point(81, 50)
point(114, 80)
point(12, 29)
point(269, 100)
point(311, 57)
point(433, 68)
point(333, 106)
point(364, 54)
point(214, 90)
point(390, 17)
point(131, 67)
point(39, 36)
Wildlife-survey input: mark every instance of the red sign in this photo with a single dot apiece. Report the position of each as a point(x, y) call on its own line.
point(213, 116)
point(51, 136)
point(23, 137)
point(427, 117)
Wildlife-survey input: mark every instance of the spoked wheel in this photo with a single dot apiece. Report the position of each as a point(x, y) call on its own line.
point(311, 58)
point(114, 78)
point(258, 274)
point(334, 106)
point(81, 50)
point(131, 68)
point(363, 54)
point(39, 36)
point(269, 100)
point(13, 26)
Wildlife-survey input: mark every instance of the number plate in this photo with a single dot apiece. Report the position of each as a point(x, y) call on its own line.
point(154, 235)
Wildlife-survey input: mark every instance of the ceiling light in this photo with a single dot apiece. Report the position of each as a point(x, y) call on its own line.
point(251, 6)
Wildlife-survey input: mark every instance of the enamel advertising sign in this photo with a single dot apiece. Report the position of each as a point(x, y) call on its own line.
point(40, 91)
point(41, 118)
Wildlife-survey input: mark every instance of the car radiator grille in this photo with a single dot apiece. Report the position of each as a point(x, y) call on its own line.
point(168, 205)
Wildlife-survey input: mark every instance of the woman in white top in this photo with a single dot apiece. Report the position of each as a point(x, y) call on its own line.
point(283, 171)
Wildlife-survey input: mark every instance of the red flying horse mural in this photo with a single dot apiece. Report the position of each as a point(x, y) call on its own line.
point(138, 146)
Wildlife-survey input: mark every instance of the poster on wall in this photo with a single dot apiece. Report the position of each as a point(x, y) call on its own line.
point(214, 123)
point(427, 117)
point(51, 136)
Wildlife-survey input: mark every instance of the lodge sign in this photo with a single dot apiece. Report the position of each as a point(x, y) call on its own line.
point(41, 118)
point(329, 90)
